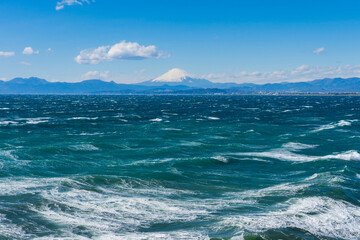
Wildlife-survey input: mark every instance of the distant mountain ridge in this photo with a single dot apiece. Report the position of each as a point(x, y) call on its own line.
point(176, 81)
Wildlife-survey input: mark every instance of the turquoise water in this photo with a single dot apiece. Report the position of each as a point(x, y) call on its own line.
point(179, 167)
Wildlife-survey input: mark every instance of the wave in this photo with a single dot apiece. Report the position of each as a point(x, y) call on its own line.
point(213, 118)
point(171, 129)
point(122, 211)
point(195, 235)
point(284, 154)
point(24, 121)
point(9, 230)
point(8, 154)
point(108, 213)
point(294, 146)
point(221, 159)
point(321, 216)
point(156, 120)
point(83, 118)
point(6, 122)
point(85, 147)
point(341, 123)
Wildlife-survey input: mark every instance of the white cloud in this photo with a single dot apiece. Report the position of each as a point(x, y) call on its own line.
point(50, 50)
point(96, 75)
point(122, 50)
point(319, 51)
point(301, 73)
point(25, 63)
point(29, 51)
point(6, 54)
point(61, 4)
point(2, 79)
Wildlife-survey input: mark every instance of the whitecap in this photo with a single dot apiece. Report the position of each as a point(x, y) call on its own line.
point(190, 144)
point(286, 155)
point(341, 123)
point(213, 118)
point(8, 123)
point(8, 154)
point(108, 213)
point(295, 146)
point(315, 175)
point(9, 230)
point(171, 129)
point(249, 131)
point(321, 216)
point(173, 235)
point(221, 159)
point(156, 120)
point(83, 118)
point(85, 147)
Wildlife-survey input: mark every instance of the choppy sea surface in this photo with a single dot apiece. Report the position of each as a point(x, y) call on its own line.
point(180, 167)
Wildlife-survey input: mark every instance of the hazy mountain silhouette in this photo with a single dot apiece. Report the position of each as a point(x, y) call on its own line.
point(175, 81)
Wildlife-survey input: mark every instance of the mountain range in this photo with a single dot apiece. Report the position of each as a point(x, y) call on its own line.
point(176, 81)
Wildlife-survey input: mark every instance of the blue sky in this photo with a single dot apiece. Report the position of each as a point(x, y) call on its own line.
point(136, 40)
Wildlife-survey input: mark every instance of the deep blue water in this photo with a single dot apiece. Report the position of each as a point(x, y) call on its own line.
point(179, 167)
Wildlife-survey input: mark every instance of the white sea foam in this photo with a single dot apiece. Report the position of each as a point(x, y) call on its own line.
point(108, 213)
point(156, 120)
point(221, 159)
point(341, 123)
point(33, 120)
point(321, 216)
point(190, 144)
point(184, 235)
point(285, 189)
point(249, 131)
point(15, 186)
point(315, 175)
point(9, 230)
point(8, 154)
point(85, 147)
point(36, 121)
point(213, 118)
point(6, 122)
point(294, 146)
point(286, 155)
point(171, 129)
point(83, 118)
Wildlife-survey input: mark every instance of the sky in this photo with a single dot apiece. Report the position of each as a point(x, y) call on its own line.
point(129, 41)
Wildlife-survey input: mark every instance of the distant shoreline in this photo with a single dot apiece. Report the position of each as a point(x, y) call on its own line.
point(181, 94)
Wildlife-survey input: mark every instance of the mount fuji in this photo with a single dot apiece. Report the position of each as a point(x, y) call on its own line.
point(179, 77)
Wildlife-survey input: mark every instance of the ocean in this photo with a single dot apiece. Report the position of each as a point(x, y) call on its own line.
point(180, 167)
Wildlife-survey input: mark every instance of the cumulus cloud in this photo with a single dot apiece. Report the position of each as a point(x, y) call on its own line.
point(319, 51)
point(30, 51)
point(301, 73)
point(96, 75)
point(61, 4)
point(6, 54)
point(122, 50)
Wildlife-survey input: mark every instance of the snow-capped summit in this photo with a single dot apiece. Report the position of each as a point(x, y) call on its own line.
point(180, 78)
point(174, 75)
